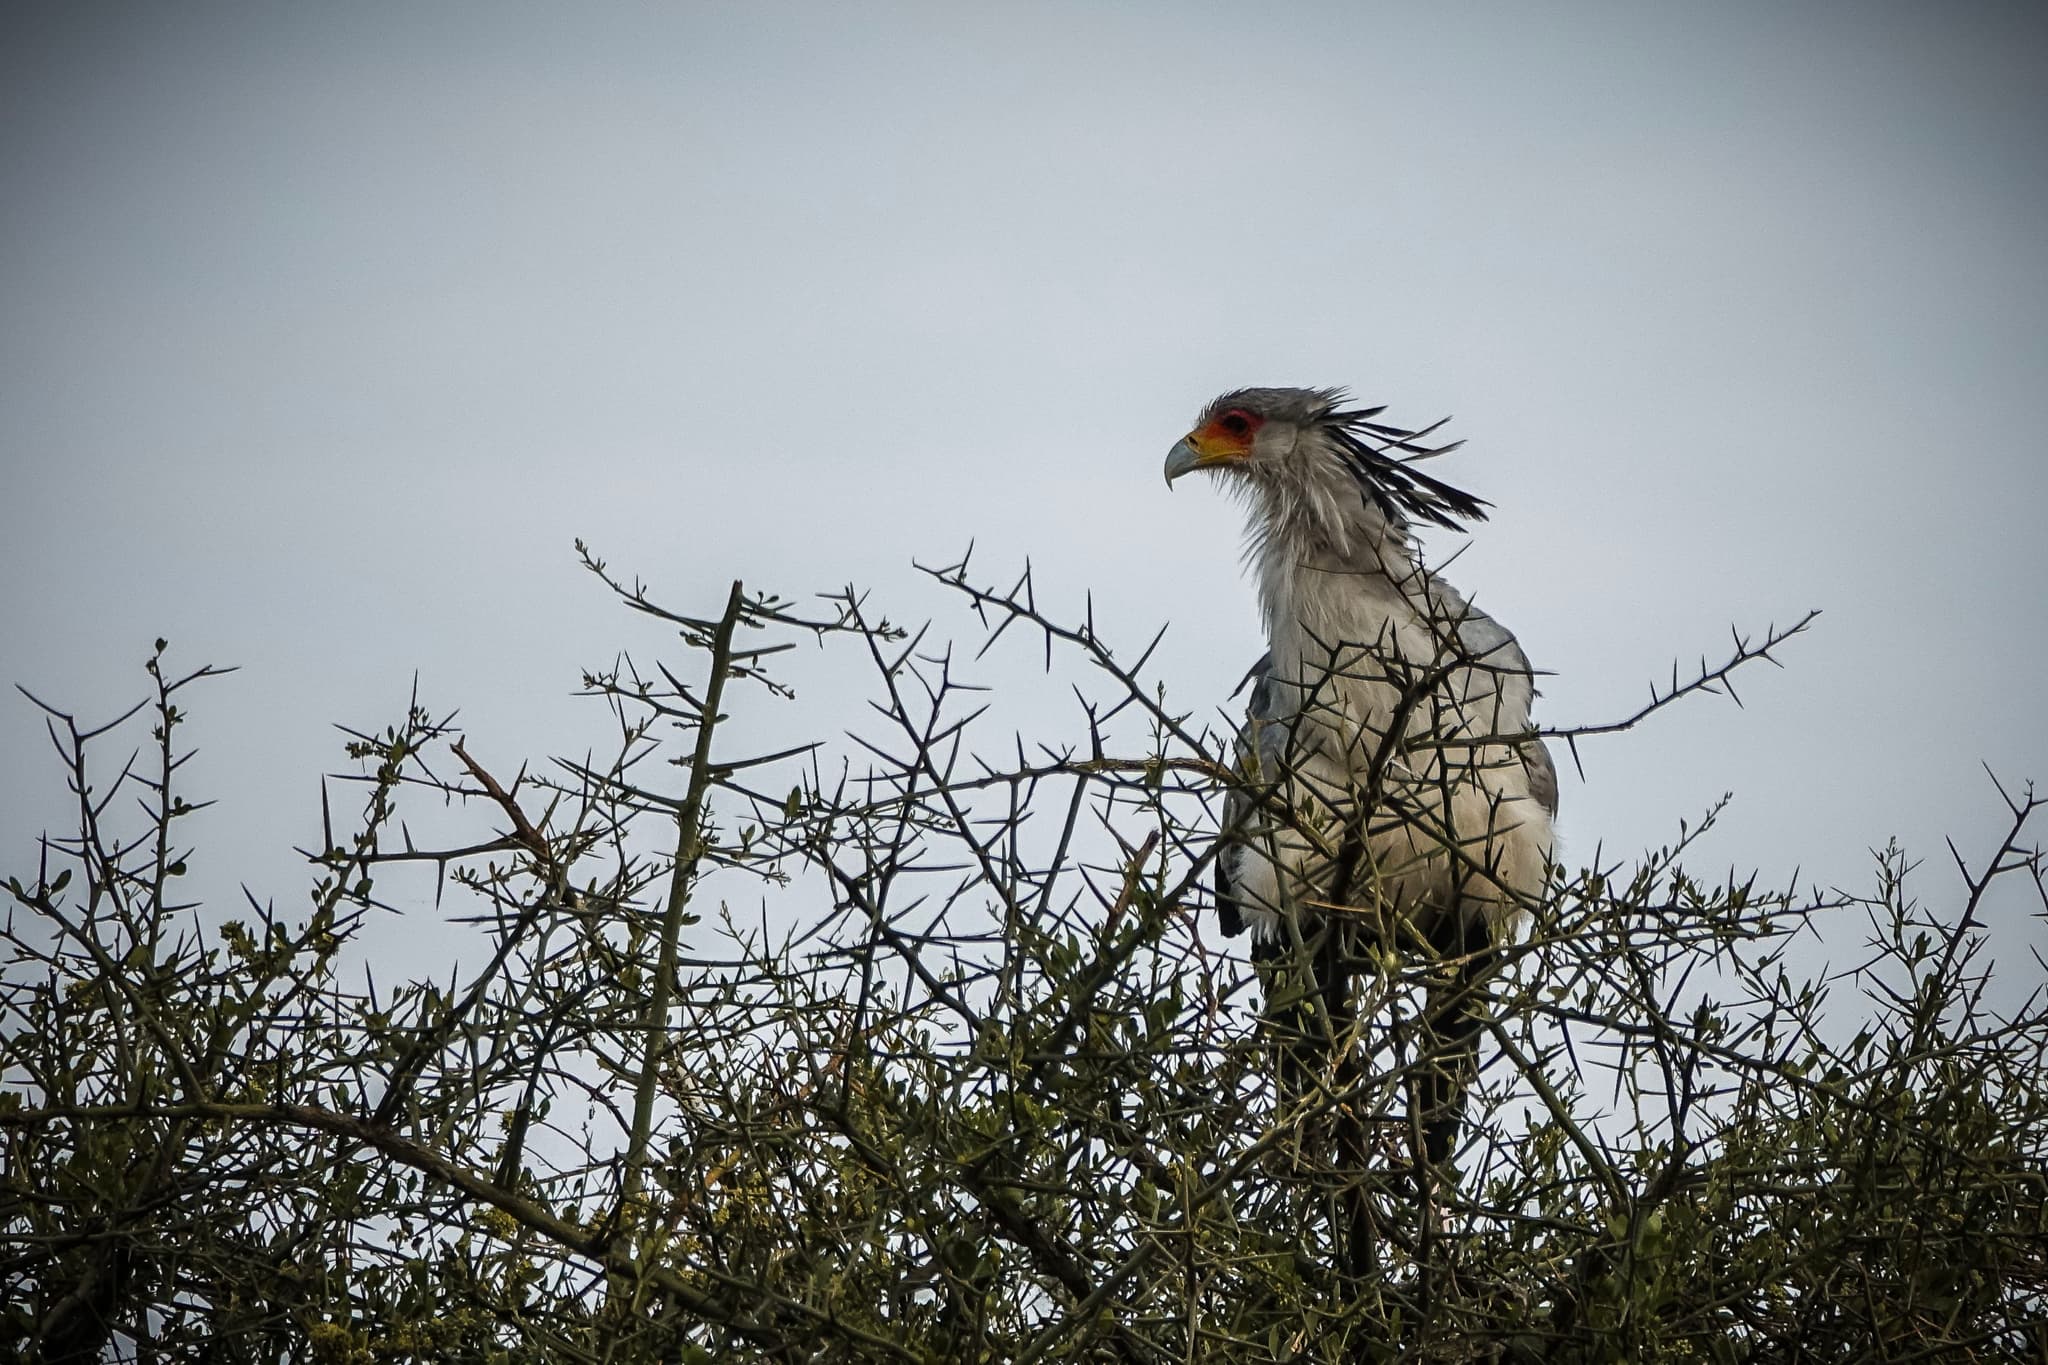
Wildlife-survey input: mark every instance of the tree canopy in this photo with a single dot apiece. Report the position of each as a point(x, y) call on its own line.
point(970, 1076)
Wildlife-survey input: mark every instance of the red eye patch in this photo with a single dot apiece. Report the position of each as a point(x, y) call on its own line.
point(1237, 424)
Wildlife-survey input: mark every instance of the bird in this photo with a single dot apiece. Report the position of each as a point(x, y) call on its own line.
point(1390, 790)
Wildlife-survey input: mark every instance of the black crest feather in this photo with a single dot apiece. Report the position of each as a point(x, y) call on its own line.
point(1383, 459)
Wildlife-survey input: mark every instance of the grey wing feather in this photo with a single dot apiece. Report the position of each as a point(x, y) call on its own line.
point(1494, 647)
point(1542, 774)
point(1237, 806)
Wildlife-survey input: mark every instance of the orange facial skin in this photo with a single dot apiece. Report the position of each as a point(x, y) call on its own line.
point(1227, 436)
point(1224, 439)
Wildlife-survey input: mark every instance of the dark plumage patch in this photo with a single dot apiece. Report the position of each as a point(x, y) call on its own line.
point(1393, 484)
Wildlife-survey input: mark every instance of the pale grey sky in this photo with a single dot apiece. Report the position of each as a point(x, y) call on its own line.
point(324, 329)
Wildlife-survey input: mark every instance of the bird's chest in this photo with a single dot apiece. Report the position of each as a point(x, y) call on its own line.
point(1355, 654)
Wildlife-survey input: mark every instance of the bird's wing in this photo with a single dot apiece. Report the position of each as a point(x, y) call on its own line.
point(1261, 747)
point(1542, 774)
point(1491, 648)
point(1494, 648)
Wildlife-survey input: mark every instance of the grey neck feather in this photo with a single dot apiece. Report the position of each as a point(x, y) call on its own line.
point(1314, 528)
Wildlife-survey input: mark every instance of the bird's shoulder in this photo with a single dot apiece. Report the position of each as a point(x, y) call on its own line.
point(1480, 637)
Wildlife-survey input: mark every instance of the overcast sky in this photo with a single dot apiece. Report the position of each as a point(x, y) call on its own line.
point(325, 328)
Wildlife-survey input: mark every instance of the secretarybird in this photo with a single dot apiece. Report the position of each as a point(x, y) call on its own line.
point(1392, 791)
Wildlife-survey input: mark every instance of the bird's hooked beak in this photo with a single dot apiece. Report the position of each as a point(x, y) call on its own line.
point(1197, 450)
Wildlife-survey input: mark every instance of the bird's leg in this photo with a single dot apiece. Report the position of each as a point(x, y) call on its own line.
point(1452, 1021)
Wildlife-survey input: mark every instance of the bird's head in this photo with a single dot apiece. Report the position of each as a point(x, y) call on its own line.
point(1303, 448)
